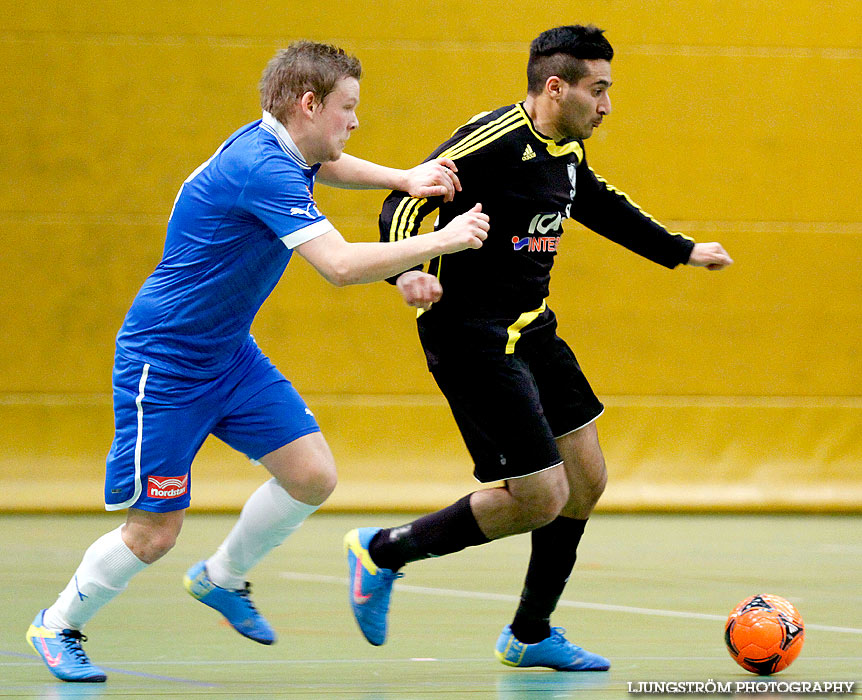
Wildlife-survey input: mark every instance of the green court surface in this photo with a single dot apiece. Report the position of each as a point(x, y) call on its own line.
point(651, 592)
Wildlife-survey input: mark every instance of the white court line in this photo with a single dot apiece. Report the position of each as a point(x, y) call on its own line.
point(329, 662)
point(479, 595)
point(272, 662)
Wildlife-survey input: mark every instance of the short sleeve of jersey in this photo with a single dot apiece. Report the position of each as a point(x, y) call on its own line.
point(279, 194)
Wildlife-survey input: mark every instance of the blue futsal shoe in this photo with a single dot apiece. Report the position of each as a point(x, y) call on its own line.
point(62, 653)
point(370, 585)
point(236, 606)
point(555, 652)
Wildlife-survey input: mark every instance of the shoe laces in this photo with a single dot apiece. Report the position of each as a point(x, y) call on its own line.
point(558, 635)
point(72, 643)
point(245, 594)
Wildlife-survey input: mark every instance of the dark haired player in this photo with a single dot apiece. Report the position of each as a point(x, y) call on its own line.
point(523, 406)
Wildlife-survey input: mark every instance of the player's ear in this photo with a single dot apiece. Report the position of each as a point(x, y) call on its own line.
point(554, 86)
point(308, 103)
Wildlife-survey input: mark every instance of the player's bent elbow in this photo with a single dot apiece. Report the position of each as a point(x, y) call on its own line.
point(333, 259)
point(347, 277)
point(338, 273)
point(339, 280)
point(345, 274)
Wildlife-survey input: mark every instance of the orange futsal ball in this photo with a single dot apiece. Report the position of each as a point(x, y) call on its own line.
point(764, 634)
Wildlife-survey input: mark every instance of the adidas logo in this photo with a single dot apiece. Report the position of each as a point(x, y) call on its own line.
point(528, 153)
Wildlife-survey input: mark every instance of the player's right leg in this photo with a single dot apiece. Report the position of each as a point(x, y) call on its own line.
point(104, 572)
point(55, 635)
point(370, 586)
point(498, 410)
point(555, 546)
point(375, 555)
point(159, 427)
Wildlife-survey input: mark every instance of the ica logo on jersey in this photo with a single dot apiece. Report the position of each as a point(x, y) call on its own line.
point(540, 224)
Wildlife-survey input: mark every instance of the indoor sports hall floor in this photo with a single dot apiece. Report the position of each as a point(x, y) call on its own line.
point(651, 592)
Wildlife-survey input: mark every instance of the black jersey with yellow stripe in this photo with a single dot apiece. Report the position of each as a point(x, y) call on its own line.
point(528, 185)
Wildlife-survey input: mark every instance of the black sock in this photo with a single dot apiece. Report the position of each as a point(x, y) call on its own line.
point(555, 549)
point(449, 530)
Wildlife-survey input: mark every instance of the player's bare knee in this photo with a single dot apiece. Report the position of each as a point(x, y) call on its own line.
point(538, 512)
point(537, 516)
point(539, 498)
point(325, 480)
point(600, 485)
point(594, 489)
point(150, 545)
point(162, 543)
point(151, 535)
point(554, 503)
point(313, 484)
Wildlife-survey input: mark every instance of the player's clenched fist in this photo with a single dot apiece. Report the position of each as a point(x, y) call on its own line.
point(419, 289)
point(709, 255)
point(466, 230)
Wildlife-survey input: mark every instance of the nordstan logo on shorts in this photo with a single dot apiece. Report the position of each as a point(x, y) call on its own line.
point(167, 486)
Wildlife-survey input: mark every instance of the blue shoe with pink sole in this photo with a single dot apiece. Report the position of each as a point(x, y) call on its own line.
point(370, 585)
point(62, 653)
point(236, 606)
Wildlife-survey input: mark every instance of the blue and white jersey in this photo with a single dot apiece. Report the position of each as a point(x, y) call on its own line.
point(234, 225)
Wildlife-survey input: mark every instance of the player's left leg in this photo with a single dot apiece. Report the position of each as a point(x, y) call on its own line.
point(304, 476)
point(554, 546)
point(571, 408)
point(554, 551)
point(270, 422)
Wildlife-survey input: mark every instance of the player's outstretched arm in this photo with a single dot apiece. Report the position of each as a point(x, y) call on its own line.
point(341, 262)
point(709, 255)
point(434, 178)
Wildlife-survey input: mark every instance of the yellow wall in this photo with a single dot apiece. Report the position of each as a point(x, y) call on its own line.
point(733, 121)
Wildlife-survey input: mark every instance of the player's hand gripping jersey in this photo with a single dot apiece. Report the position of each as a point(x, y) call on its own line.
point(527, 184)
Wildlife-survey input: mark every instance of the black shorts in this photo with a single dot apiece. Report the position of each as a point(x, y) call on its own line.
point(509, 406)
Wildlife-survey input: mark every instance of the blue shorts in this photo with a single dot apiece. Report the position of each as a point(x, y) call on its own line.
point(161, 419)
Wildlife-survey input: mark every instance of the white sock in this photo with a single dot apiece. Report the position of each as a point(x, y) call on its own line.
point(268, 517)
point(104, 572)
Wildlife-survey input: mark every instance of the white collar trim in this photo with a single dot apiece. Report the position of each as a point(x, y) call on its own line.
point(276, 128)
